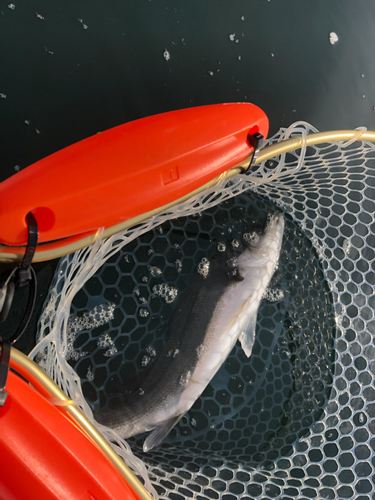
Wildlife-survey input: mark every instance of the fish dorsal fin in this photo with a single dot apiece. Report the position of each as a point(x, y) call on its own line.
point(159, 433)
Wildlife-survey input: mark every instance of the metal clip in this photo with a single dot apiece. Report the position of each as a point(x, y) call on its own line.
point(256, 141)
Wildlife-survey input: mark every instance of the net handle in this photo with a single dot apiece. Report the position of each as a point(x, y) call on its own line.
point(70, 245)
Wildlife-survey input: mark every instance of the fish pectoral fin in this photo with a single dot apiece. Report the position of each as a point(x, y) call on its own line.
point(247, 335)
point(159, 433)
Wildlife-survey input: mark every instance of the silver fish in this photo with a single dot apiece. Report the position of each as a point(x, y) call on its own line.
point(202, 332)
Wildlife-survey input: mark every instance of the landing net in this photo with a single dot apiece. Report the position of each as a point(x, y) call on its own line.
point(297, 419)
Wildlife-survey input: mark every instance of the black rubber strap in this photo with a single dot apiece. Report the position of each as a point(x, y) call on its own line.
point(20, 276)
point(32, 240)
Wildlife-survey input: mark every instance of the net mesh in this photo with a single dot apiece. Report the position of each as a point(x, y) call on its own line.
point(296, 419)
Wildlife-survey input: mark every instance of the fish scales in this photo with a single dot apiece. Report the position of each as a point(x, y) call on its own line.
point(212, 315)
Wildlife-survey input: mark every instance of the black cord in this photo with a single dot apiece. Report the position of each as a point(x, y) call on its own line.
point(18, 277)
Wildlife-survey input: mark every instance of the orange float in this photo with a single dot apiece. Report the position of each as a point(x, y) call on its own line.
point(45, 456)
point(126, 171)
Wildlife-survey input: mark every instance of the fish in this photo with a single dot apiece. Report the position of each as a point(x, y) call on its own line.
point(219, 308)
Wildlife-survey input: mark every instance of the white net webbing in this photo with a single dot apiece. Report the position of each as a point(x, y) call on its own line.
point(328, 192)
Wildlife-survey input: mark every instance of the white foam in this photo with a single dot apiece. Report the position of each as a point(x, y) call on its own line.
point(333, 38)
point(145, 360)
point(98, 316)
point(185, 377)
point(155, 271)
point(89, 374)
point(166, 292)
point(251, 238)
point(151, 351)
point(204, 267)
point(274, 295)
point(221, 247)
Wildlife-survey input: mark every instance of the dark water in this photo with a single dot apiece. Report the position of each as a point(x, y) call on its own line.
point(71, 69)
point(254, 408)
point(69, 82)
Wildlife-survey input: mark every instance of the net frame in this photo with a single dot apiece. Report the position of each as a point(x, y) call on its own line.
point(297, 174)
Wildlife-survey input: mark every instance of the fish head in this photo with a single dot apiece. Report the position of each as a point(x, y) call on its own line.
point(266, 249)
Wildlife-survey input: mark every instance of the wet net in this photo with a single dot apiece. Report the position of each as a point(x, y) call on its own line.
point(297, 419)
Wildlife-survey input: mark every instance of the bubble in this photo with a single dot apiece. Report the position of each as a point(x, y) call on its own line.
point(144, 313)
point(155, 271)
point(185, 377)
point(333, 38)
point(151, 351)
point(232, 262)
point(98, 316)
point(145, 360)
point(173, 353)
point(221, 247)
point(166, 292)
point(251, 238)
point(204, 267)
point(104, 340)
point(89, 374)
point(200, 350)
point(83, 25)
point(274, 295)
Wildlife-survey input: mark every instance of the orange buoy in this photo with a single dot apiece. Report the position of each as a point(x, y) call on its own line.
point(126, 171)
point(45, 455)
